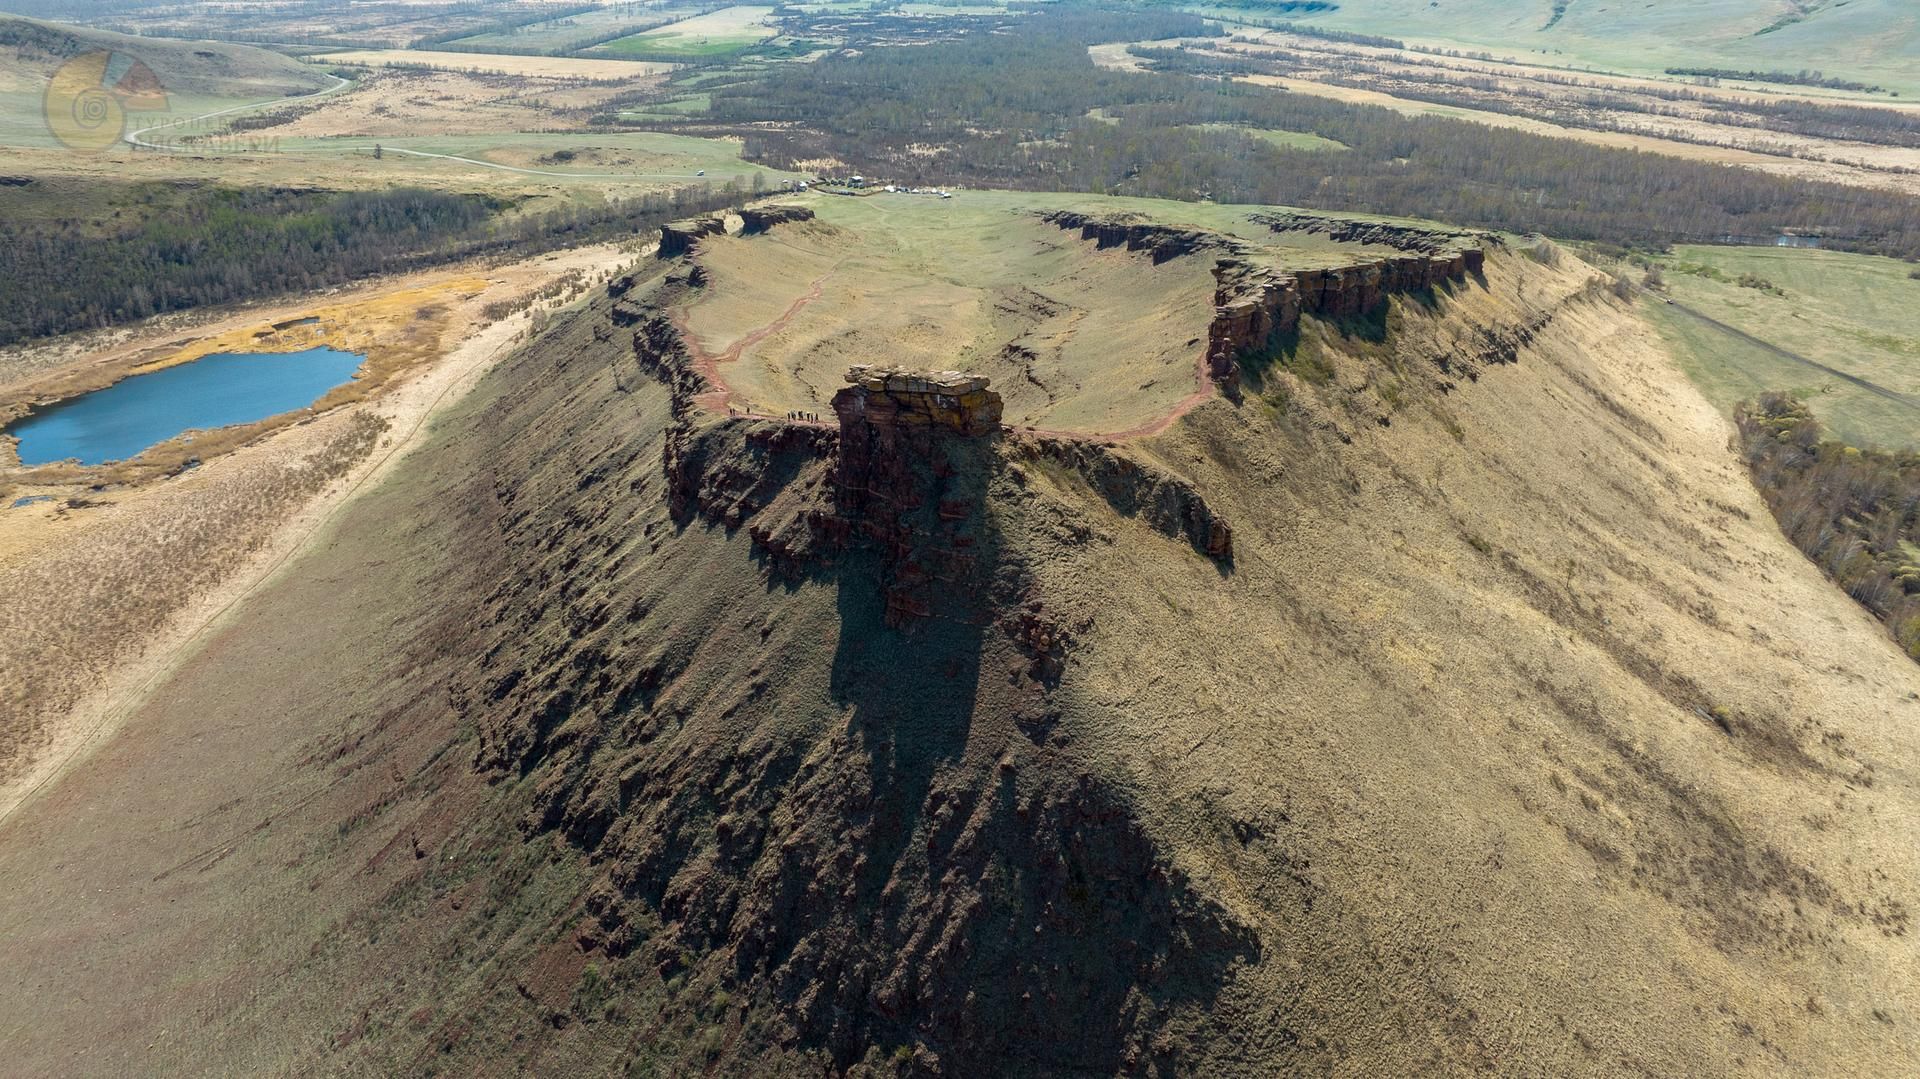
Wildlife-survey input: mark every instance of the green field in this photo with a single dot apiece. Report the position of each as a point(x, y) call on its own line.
point(677, 109)
point(563, 35)
point(1286, 140)
point(1876, 41)
point(1854, 313)
point(718, 33)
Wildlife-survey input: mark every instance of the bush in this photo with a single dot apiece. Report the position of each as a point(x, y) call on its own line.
point(1854, 512)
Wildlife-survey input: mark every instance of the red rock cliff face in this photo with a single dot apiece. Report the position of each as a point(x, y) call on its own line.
point(681, 237)
point(1161, 242)
point(910, 479)
point(1255, 303)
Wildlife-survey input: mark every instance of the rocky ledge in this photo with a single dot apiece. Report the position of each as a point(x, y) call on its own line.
point(1254, 303)
point(680, 237)
point(1161, 242)
point(886, 397)
point(1413, 238)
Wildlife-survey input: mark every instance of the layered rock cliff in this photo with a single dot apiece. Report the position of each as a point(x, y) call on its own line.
point(1483, 754)
point(1256, 303)
point(681, 237)
point(1160, 242)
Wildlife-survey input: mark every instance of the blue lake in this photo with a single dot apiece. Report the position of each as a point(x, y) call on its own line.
point(221, 390)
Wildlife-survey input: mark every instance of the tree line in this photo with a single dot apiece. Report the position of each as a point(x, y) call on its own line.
point(1854, 512)
point(213, 245)
point(1019, 111)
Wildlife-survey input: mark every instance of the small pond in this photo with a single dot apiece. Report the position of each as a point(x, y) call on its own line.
point(220, 390)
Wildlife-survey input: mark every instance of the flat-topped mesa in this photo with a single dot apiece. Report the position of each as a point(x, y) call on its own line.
point(761, 218)
point(1161, 242)
point(897, 397)
point(678, 237)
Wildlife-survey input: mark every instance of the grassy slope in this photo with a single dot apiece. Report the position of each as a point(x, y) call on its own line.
point(195, 68)
point(1855, 313)
point(199, 77)
point(1870, 40)
point(717, 33)
point(1440, 741)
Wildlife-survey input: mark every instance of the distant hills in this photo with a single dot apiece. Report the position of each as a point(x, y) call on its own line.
point(31, 50)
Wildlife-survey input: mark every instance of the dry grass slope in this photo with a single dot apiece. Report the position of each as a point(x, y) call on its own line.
point(1484, 753)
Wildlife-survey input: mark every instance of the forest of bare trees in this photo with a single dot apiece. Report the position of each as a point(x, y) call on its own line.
point(1855, 513)
point(1033, 111)
point(198, 245)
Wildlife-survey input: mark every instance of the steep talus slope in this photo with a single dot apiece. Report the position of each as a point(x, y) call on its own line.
point(1493, 728)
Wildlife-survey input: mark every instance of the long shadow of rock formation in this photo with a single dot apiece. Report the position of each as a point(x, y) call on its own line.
point(871, 857)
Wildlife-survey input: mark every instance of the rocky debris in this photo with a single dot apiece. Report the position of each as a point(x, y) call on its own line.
point(1161, 242)
point(1043, 640)
point(1171, 505)
point(761, 218)
point(679, 237)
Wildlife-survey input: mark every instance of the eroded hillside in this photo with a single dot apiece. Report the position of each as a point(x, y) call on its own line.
point(1434, 695)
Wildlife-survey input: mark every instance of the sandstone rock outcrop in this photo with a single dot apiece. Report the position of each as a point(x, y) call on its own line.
point(761, 218)
point(1161, 242)
point(1412, 238)
point(1254, 303)
point(887, 397)
point(910, 480)
point(678, 237)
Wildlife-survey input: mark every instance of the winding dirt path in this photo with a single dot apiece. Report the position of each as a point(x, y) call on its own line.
point(720, 397)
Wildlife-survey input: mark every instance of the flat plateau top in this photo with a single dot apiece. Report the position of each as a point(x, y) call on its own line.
point(1074, 338)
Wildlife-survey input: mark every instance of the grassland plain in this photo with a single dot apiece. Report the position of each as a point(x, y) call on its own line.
point(1870, 40)
point(717, 33)
point(558, 67)
point(1858, 314)
point(562, 35)
point(1429, 800)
